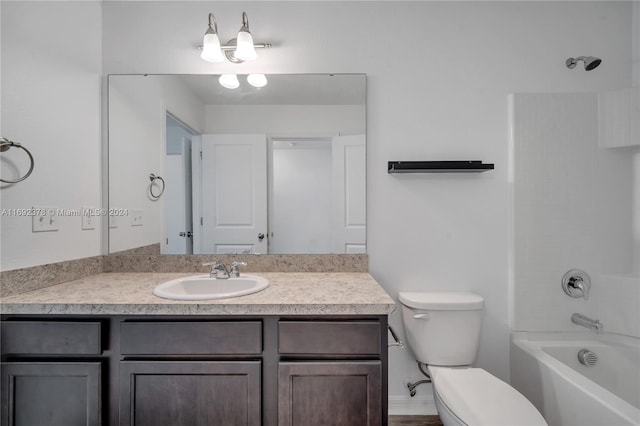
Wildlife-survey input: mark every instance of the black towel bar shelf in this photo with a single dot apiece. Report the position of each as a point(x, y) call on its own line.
point(472, 166)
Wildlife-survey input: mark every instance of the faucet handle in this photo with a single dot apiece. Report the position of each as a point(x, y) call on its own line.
point(235, 273)
point(576, 283)
point(215, 268)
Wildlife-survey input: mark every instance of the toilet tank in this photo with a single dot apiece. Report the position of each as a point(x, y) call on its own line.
point(443, 328)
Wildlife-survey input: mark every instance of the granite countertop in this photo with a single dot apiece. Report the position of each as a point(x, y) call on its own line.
point(290, 293)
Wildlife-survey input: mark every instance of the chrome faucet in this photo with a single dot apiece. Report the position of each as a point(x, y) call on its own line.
point(593, 325)
point(235, 273)
point(219, 271)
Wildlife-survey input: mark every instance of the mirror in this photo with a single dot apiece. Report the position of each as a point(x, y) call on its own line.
point(197, 168)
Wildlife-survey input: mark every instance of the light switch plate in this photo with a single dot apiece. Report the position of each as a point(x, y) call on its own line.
point(44, 219)
point(113, 221)
point(137, 218)
point(89, 218)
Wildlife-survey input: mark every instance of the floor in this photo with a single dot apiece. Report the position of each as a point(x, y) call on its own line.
point(414, 421)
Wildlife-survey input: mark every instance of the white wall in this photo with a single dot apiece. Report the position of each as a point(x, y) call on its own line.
point(287, 120)
point(635, 54)
point(438, 75)
point(636, 210)
point(51, 66)
point(302, 176)
point(137, 145)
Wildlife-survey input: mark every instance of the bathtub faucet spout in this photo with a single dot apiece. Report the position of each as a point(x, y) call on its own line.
point(593, 325)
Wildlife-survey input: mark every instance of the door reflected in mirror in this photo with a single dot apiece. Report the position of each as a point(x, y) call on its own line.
point(279, 169)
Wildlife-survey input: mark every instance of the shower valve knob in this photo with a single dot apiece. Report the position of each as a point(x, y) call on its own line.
point(576, 284)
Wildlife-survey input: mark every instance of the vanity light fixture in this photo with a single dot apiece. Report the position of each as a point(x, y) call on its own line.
point(237, 50)
point(229, 81)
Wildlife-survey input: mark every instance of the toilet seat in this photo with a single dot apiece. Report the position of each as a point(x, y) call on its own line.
point(477, 398)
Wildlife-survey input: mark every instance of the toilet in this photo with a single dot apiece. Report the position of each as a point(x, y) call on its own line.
point(443, 332)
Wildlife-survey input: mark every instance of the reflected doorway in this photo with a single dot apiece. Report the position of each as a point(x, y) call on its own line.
point(178, 215)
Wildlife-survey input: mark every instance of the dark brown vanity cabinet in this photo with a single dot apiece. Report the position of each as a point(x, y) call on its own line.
point(330, 393)
point(51, 373)
point(190, 373)
point(194, 371)
point(330, 373)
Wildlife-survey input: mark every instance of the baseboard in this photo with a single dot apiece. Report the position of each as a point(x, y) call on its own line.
point(406, 405)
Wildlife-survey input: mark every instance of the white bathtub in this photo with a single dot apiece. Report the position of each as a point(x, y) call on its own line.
point(545, 368)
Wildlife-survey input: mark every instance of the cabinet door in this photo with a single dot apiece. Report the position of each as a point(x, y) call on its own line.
point(330, 393)
point(203, 393)
point(53, 394)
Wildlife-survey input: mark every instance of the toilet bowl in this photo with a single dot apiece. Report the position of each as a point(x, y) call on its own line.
point(443, 332)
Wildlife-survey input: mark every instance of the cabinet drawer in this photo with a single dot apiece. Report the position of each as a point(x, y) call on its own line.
point(191, 338)
point(329, 338)
point(51, 337)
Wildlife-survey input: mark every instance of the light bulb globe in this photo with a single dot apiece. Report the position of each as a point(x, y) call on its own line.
point(245, 50)
point(257, 80)
point(211, 51)
point(229, 81)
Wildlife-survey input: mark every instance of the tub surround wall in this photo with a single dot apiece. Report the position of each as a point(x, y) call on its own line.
point(573, 208)
point(618, 301)
point(29, 279)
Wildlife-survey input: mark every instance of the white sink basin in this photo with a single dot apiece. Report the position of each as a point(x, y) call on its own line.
point(202, 287)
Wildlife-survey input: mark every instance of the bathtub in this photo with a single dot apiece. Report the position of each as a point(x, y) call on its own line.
point(545, 368)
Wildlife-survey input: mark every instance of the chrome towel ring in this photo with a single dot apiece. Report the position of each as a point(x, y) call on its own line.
point(5, 145)
point(153, 178)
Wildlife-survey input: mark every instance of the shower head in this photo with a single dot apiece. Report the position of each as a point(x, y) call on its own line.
point(590, 62)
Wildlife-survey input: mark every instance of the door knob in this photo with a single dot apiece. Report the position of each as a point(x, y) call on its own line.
point(187, 234)
point(261, 236)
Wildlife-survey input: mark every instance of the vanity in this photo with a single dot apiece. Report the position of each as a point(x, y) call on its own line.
point(311, 349)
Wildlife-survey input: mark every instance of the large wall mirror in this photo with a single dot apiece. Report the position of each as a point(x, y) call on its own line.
point(198, 168)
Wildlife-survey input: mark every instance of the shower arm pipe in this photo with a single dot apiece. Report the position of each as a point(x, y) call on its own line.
point(5, 145)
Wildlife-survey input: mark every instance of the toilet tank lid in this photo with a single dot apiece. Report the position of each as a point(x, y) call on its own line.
point(442, 301)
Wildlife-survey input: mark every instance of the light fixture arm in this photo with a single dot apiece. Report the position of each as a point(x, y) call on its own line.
point(231, 45)
point(245, 23)
point(213, 25)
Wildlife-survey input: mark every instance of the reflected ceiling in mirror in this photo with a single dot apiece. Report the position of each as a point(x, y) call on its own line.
point(278, 169)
